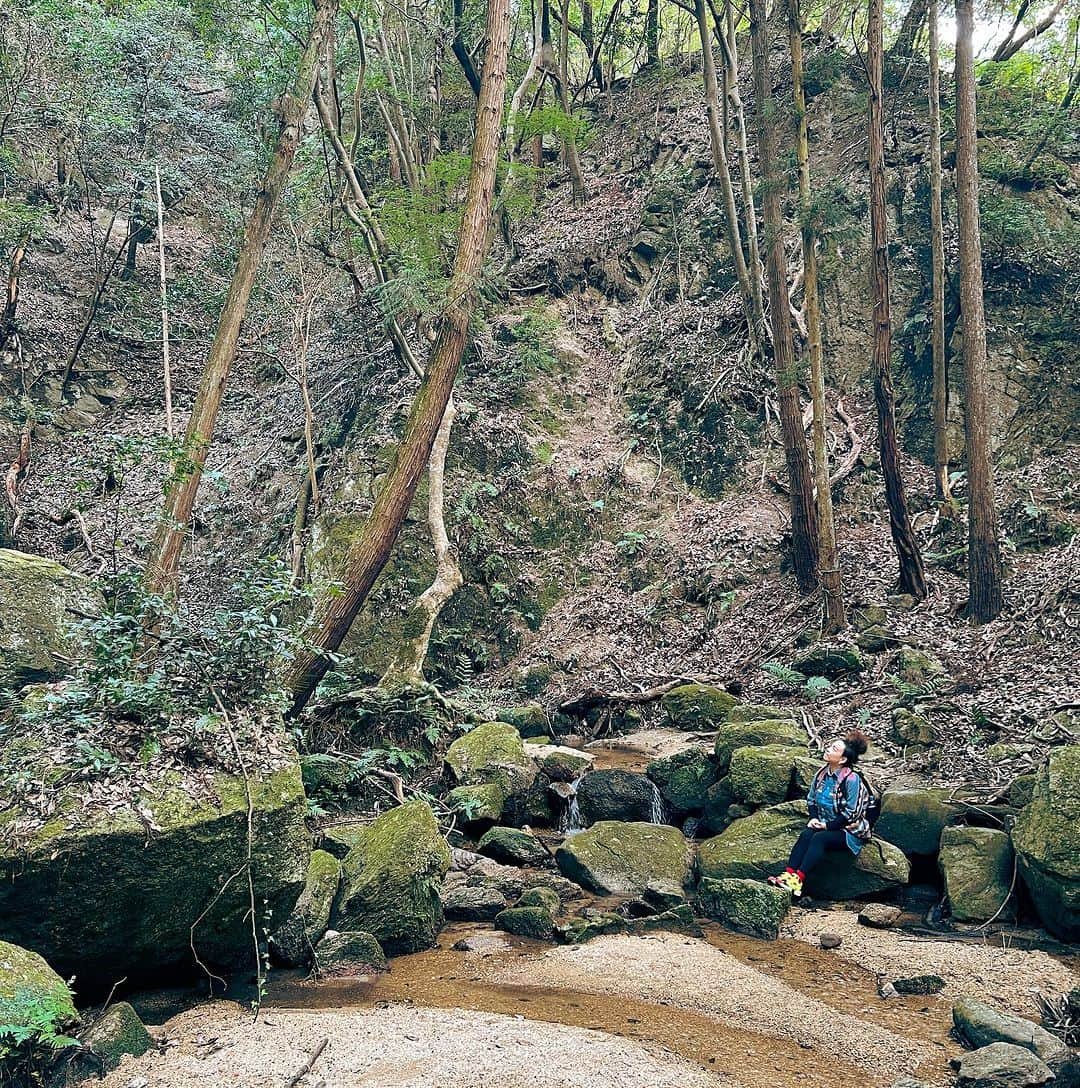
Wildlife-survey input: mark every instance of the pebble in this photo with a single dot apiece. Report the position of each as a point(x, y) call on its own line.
point(830, 940)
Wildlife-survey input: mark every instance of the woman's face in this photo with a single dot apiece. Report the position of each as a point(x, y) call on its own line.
point(834, 754)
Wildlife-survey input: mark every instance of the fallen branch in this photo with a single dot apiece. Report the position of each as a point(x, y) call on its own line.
point(298, 1076)
point(594, 697)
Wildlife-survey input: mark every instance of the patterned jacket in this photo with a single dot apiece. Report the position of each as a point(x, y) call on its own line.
point(841, 800)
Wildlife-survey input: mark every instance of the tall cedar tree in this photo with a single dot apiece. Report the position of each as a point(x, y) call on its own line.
point(829, 570)
point(912, 579)
point(371, 549)
point(164, 562)
point(804, 529)
point(984, 551)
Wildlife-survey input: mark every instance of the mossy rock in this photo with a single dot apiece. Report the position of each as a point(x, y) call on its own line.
point(916, 667)
point(472, 902)
point(534, 922)
point(477, 806)
point(762, 731)
point(292, 943)
point(487, 753)
point(529, 720)
point(757, 712)
point(876, 639)
point(562, 764)
point(758, 846)
point(977, 865)
point(116, 1033)
point(339, 839)
point(761, 775)
point(869, 615)
point(832, 662)
point(684, 779)
point(913, 819)
point(616, 795)
point(1048, 846)
point(349, 953)
point(615, 858)
point(697, 707)
point(714, 813)
point(324, 774)
point(390, 880)
point(748, 906)
point(123, 900)
point(539, 896)
point(29, 988)
point(911, 728)
point(1022, 790)
point(509, 846)
point(39, 601)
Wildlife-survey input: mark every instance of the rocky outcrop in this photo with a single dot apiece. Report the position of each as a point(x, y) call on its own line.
point(976, 865)
point(913, 819)
point(614, 858)
point(615, 795)
point(748, 906)
point(761, 775)
point(125, 887)
point(697, 706)
point(763, 731)
point(293, 942)
point(684, 779)
point(980, 1025)
point(39, 600)
point(390, 880)
point(1048, 846)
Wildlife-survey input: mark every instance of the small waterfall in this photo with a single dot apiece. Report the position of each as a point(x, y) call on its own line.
point(570, 820)
point(657, 809)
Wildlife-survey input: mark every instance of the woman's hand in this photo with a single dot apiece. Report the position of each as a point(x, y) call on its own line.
point(817, 825)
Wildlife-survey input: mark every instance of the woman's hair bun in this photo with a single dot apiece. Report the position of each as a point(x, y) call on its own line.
point(857, 741)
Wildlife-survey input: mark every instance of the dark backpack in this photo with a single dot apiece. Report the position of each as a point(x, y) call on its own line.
point(873, 806)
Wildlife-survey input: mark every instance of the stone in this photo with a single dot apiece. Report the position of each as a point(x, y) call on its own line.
point(117, 1032)
point(1048, 846)
point(615, 795)
point(485, 944)
point(684, 779)
point(980, 1025)
point(561, 764)
point(758, 712)
point(534, 922)
point(876, 639)
point(539, 896)
point(39, 600)
point(124, 900)
point(491, 752)
point(830, 940)
point(349, 953)
point(913, 729)
point(764, 731)
point(714, 814)
point(529, 720)
point(903, 602)
point(761, 775)
point(325, 774)
point(479, 903)
point(913, 819)
point(615, 858)
point(1001, 1065)
point(879, 915)
point(339, 839)
point(293, 942)
point(977, 867)
point(916, 667)
point(390, 880)
point(697, 707)
point(869, 615)
point(29, 985)
point(919, 984)
point(747, 906)
point(509, 846)
point(832, 662)
point(477, 806)
point(595, 923)
point(1022, 790)
point(758, 846)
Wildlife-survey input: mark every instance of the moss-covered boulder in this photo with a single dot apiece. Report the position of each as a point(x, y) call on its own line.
point(976, 866)
point(539, 896)
point(472, 902)
point(492, 752)
point(615, 858)
point(616, 795)
point(124, 887)
point(917, 667)
point(714, 814)
point(979, 1024)
point(758, 712)
point(338, 839)
point(390, 880)
point(39, 600)
point(761, 775)
point(758, 846)
point(509, 846)
point(914, 819)
point(477, 806)
point(117, 1032)
point(32, 994)
point(348, 954)
point(748, 906)
point(697, 707)
point(910, 728)
point(684, 779)
point(832, 662)
point(1047, 843)
point(529, 720)
point(534, 922)
point(561, 764)
point(760, 731)
point(293, 942)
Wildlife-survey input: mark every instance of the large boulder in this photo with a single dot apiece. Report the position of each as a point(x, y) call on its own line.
point(124, 886)
point(472, 902)
point(684, 779)
point(32, 995)
point(976, 865)
point(748, 906)
point(390, 880)
point(349, 954)
point(616, 795)
point(734, 735)
point(1002, 1065)
point(295, 939)
point(509, 846)
point(491, 752)
point(697, 707)
point(980, 1025)
point(477, 806)
point(761, 775)
point(913, 819)
point(39, 600)
point(529, 720)
point(614, 858)
point(1048, 846)
point(758, 846)
point(115, 1034)
point(831, 662)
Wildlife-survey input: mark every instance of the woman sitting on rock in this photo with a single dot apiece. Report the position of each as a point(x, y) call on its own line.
point(839, 801)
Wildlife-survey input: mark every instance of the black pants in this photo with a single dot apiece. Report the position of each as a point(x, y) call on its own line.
point(811, 846)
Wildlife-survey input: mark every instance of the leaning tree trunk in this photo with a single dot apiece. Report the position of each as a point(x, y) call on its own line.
point(912, 579)
point(570, 149)
point(164, 561)
point(804, 529)
point(984, 552)
point(335, 612)
point(828, 560)
point(937, 274)
point(652, 34)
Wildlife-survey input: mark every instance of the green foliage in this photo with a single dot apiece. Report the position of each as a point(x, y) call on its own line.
point(812, 687)
point(551, 120)
point(31, 1034)
point(823, 70)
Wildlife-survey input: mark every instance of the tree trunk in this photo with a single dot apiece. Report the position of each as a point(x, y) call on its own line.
point(335, 612)
point(1012, 45)
point(570, 150)
point(984, 552)
point(652, 34)
point(461, 50)
point(588, 39)
point(828, 560)
point(804, 530)
point(912, 579)
point(164, 561)
point(910, 29)
point(937, 284)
